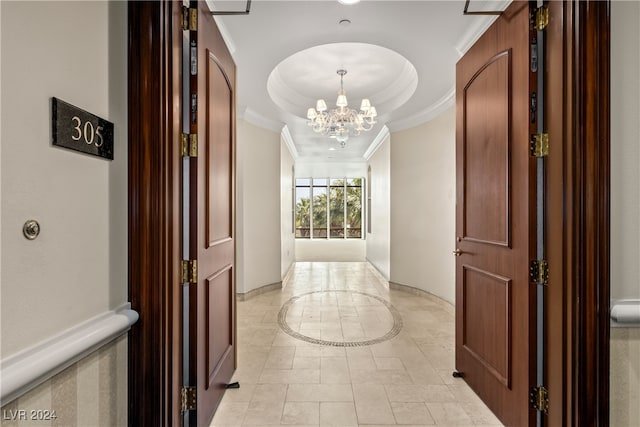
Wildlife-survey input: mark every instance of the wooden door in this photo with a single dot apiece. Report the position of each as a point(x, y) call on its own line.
point(212, 213)
point(495, 219)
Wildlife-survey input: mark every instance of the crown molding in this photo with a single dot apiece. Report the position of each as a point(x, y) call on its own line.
point(376, 143)
point(474, 33)
point(315, 161)
point(288, 141)
point(223, 29)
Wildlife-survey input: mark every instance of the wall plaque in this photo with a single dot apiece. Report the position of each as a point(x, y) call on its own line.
point(76, 129)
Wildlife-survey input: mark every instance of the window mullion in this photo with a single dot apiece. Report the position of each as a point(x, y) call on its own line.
point(311, 210)
point(344, 209)
point(327, 207)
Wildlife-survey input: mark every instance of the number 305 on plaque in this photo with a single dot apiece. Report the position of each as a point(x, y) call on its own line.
point(77, 129)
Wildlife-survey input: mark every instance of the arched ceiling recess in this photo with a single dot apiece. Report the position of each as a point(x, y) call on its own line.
point(385, 77)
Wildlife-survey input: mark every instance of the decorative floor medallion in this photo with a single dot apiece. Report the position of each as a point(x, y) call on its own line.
point(340, 318)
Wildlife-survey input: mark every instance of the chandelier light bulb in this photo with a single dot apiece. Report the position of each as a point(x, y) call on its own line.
point(321, 105)
point(311, 113)
point(342, 100)
point(366, 104)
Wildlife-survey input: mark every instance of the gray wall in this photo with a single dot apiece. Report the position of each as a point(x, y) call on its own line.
point(77, 267)
point(625, 206)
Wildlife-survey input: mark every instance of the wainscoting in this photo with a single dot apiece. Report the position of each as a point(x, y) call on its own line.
point(625, 377)
point(91, 392)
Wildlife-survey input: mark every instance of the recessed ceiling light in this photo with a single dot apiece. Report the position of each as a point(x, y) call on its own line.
point(332, 149)
point(349, 1)
point(344, 22)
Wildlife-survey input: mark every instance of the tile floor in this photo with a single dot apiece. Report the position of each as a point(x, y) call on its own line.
point(360, 354)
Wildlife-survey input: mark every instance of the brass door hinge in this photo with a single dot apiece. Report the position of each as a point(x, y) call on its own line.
point(539, 271)
point(188, 399)
point(539, 399)
point(189, 145)
point(540, 145)
point(542, 18)
point(189, 271)
point(189, 19)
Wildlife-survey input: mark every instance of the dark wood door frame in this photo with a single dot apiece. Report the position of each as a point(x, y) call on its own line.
point(578, 233)
point(154, 212)
point(577, 202)
point(590, 203)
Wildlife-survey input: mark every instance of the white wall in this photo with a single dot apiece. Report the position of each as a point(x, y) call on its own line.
point(379, 239)
point(67, 274)
point(625, 206)
point(335, 250)
point(258, 207)
point(306, 168)
point(423, 206)
point(287, 234)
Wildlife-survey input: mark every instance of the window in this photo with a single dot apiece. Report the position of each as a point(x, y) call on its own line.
point(328, 208)
point(336, 208)
point(353, 214)
point(303, 208)
point(319, 208)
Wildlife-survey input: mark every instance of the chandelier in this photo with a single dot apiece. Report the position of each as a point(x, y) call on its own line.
point(342, 121)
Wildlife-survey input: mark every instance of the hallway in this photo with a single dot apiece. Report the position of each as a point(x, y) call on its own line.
point(355, 353)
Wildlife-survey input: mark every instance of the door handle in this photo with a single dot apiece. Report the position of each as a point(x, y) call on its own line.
point(457, 252)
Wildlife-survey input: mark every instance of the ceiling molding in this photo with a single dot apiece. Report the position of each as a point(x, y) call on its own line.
point(425, 115)
point(259, 120)
point(223, 29)
point(288, 141)
point(472, 36)
point(331, 168)
point(336, 160)
point(377, 142)
point(285, 97)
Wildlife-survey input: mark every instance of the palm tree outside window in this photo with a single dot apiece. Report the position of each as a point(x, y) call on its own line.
point(328, 208)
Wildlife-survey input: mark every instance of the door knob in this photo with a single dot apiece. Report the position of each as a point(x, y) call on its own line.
point(457, 252)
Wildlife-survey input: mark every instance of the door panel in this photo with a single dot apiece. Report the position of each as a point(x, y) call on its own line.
point(487, 321)
point(486, 153)
point(495, 315)
point(219, 155)
point(212, 205)
point(219, 311)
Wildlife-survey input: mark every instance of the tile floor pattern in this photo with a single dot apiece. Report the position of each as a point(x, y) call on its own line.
point(339, 318)
point(405, 380)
